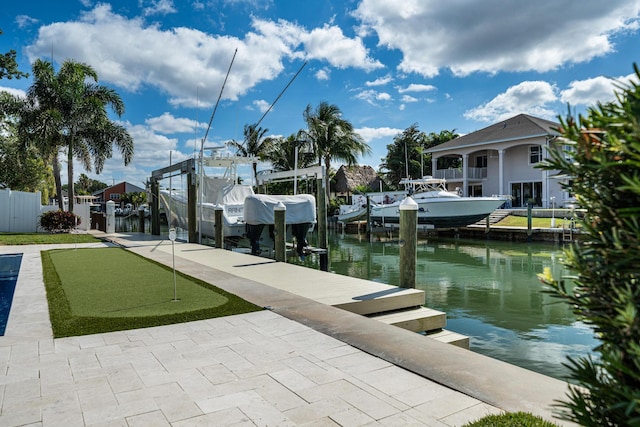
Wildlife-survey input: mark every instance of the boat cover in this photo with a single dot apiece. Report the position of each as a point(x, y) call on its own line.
point(258, 208)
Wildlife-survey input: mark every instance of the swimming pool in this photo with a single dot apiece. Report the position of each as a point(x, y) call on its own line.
point(9, 269)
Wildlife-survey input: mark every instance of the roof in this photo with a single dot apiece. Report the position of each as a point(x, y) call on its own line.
point(349, 177)
point(518, 127)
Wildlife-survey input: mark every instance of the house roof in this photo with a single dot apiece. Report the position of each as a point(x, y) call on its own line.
point(128, 187)
point(349, 177)
point(518, 127)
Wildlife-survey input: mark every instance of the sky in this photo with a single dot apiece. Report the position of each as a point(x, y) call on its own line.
point(456, 65)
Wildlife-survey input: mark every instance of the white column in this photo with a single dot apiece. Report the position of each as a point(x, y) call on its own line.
point(465, 175)
point(501, 171)
point(434, 166)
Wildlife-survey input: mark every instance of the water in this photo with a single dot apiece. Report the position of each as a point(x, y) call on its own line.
point(489, 291)
point(9, 269)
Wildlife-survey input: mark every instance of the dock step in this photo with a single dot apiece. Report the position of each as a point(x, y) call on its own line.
point(419, 319)
point(450, 337)
point(381, 301)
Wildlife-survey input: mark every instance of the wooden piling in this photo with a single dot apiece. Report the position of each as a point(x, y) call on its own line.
point(280, 232)
point(323, 242)
point(408, 242)
point(219, 226)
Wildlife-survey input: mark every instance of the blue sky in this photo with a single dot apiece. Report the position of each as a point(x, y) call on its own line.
point(455, 65)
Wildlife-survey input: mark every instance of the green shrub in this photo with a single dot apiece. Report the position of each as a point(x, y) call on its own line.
point(602, 159)
point(513, 419)
point(59, 221)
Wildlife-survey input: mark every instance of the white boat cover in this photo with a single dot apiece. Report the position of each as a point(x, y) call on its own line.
point(222, 191)
point(258, 208)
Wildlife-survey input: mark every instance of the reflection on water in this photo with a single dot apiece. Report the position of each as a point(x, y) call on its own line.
point(489, 291)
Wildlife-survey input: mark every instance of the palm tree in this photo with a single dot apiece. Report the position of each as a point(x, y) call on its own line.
point(332, 137)
point(283, 154)
point(255, 144)
point(68, 110)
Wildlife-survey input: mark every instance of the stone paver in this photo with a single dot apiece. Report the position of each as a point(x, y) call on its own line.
point(253, 369)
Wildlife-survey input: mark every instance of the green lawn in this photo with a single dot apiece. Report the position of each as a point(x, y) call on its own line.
point(521, 221)
point(93, 290)
point(9, 239)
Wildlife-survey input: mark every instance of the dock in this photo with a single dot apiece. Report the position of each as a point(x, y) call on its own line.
point(387, 303)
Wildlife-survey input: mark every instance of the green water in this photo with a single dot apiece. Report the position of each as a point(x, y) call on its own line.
point(489, 291)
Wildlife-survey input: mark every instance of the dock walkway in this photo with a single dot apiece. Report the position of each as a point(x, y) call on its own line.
point(300, 362)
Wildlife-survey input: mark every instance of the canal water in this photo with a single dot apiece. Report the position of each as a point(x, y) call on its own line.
point(489, 290)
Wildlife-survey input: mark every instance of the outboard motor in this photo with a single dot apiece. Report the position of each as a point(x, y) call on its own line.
point(253, 234)
point(300, 231)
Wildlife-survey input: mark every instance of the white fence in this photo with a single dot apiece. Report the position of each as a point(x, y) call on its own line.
point(20, 212)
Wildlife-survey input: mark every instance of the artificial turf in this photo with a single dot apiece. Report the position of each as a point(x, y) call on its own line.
point(94, 290)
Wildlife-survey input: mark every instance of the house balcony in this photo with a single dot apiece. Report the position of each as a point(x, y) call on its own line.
point(455, 174)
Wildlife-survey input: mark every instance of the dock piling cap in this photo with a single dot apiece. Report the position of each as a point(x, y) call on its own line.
point(280, 207)
point(408, 204)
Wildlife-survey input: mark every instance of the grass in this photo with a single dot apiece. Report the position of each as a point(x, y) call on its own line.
point(95, 290)
point(521, 221)
point(9, 239)
point(512, 419)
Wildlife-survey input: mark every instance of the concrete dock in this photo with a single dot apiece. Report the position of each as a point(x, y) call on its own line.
point(304, 361)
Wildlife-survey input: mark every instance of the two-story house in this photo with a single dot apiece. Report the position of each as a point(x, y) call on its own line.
point(500, 160)
point(115, 193)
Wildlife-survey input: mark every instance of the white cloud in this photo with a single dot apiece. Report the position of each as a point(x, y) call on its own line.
point(408, 99)
point(371, 96)
point(180, 59)
point(24, 21)
point(330, 44)
point(15, 92)
point(370, 134)
point(380, 81)
point(261, 105)
point(158, 7)
point(529, 97)
point(591, 91)
point(323, 74)
point(493, 35)
point(413, 87)
point(168, 124)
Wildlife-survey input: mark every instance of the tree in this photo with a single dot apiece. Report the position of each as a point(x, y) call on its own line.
point(406, 157)
point(602, 159)
point(9, 66)
point(68, 111)
point(282, 154)
point(332, 137)
point(254, 144)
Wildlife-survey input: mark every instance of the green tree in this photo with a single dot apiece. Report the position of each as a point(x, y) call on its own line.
point(68, 111)
point(255, 144)
point(9, 66)
point(83, 184)
point(603, 160)
point(332, 137)
point(406, 157)
point(282, 154)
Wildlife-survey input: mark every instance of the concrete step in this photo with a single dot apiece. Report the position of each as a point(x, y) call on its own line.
point(419, 319)
point(389, 299)
point(450, 337)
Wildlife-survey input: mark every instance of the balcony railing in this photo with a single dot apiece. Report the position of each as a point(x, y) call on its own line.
point(456, 174)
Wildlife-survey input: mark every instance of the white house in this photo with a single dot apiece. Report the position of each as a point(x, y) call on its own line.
point(500, 160)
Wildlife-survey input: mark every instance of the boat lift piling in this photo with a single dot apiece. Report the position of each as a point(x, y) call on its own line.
point(280, 232)
point(219, 226)
point(323, 242)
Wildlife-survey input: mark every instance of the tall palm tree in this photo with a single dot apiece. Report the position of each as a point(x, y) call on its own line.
point(254, 144)
point(283, 154)
point(68, 111)
point(332, 137)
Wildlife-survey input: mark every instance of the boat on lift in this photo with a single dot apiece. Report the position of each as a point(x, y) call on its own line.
point(438, 207)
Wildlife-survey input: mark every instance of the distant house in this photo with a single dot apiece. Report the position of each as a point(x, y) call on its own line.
point(349, 178)
point(501, 159)
point(115, 193)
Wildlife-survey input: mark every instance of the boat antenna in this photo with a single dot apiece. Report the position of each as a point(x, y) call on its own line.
point(213, 113)
point(274, 103)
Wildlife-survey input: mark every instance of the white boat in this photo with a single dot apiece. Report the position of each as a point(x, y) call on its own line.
point(437, 206)
point(244, 213)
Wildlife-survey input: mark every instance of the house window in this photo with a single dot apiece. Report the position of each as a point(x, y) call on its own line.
point(481, 161)
point(475, 190)
point(535, 154)
point(114, 196)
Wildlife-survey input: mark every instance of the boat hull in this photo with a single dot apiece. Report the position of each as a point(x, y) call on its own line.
point(441, 213)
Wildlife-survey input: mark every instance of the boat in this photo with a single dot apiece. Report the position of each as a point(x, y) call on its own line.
point(244, 213)
point(438, 207)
